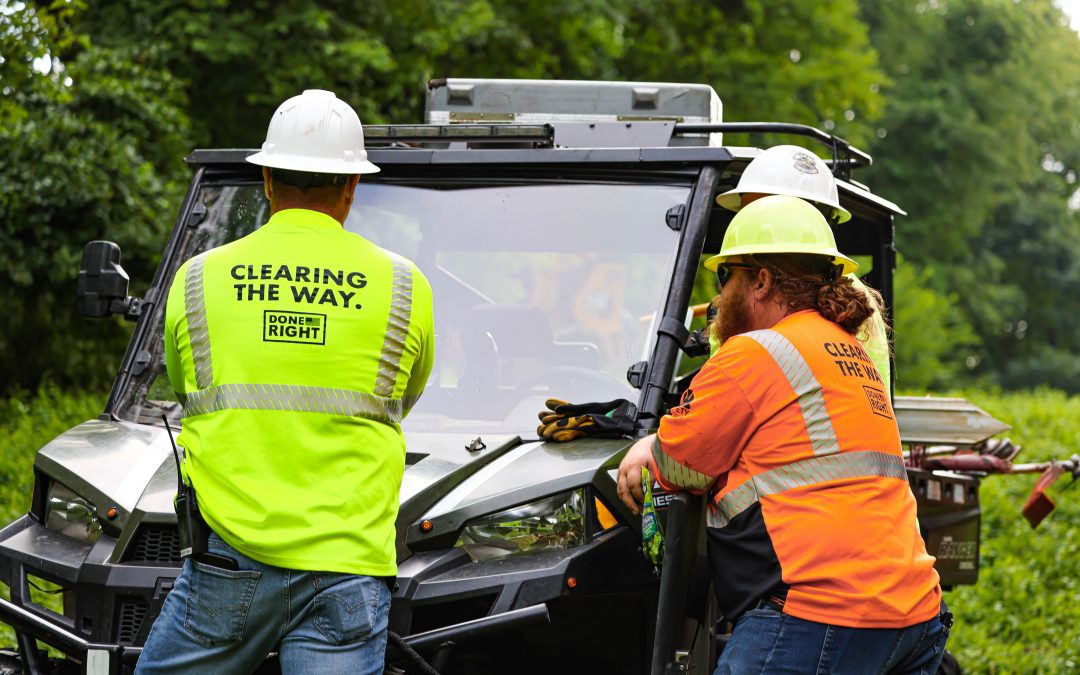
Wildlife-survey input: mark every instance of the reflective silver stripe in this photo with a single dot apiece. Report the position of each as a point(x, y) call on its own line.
point(677, 474)
point(810, 471)
point(407, 403)
point(397, 328)
point(291, 397)
point(807, 388)
point(198, 331)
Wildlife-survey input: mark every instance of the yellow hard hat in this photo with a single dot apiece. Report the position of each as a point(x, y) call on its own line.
point(780, 224)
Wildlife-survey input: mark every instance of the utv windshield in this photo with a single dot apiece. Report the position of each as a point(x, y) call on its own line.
point(540, 289)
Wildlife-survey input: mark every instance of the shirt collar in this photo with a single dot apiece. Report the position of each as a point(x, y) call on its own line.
point(304, 217)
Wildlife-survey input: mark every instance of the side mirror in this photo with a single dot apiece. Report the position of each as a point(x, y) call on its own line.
point(103, 284)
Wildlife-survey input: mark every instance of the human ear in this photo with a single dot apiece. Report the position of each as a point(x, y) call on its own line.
point(350, 190)
point(267, 189)
point(763, 284)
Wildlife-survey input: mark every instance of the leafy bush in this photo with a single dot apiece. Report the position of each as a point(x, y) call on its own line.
point(93, 149)
point(1022, 615)
point(27, 422)
point(931, 337)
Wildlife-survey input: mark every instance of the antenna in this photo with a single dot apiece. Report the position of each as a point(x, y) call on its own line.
point(176, 454)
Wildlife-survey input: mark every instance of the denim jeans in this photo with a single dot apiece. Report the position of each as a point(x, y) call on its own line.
point(768, 641)
point(221, 621)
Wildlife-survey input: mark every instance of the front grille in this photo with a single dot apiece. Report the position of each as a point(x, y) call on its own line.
point(154, 545)
point(129, 619)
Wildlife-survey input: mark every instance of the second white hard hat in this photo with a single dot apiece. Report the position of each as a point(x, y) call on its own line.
point(787, 170)
point(315, 132)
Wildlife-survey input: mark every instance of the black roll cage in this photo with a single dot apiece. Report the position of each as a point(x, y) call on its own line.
point(711, 168)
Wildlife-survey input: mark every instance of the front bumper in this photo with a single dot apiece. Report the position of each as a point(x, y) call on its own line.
point(440, 596)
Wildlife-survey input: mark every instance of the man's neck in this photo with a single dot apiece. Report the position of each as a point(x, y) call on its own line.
point(769, 315)
point(337, 214)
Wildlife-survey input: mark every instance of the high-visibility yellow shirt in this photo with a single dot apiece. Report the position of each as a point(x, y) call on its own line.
point(874, 337)
point(296, 352)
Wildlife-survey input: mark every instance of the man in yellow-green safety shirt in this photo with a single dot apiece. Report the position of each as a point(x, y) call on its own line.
point(296, 351)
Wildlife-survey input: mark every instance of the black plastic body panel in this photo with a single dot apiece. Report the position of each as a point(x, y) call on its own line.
point(949, 519)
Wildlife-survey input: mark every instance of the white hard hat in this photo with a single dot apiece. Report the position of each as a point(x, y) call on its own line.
point(787, 170)
point(315, 132)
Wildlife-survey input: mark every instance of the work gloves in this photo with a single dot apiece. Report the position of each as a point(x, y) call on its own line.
point(564, 421)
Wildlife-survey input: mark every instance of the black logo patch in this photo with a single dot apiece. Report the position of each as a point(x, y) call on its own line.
point(296, 327)
point(879, 402)
point(805, 163)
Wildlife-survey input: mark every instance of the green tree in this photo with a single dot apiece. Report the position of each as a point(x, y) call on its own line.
point(934, 344)
point(979, 143)
point(239, 60)
point(130, 87)
point(93, 140)
point(809, 63)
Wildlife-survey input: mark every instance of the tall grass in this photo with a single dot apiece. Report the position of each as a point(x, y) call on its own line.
point(28, 421)
point(1024, 613)
point(1021, 617)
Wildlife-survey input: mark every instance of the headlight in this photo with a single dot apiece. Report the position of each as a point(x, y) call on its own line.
point(554, 523)
point(70, 515)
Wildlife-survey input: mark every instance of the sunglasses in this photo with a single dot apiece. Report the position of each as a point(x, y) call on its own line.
point(723, 271)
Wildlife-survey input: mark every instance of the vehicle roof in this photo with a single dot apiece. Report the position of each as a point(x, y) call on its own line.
point(667, 157)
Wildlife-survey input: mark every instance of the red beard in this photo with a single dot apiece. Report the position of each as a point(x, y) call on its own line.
point(734, 317)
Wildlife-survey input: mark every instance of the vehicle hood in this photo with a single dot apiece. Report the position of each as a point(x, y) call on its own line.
point(131, 467)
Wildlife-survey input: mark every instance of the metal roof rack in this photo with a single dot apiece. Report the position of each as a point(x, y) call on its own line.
point(844, 156)
point(538, 135)
point(533, 136)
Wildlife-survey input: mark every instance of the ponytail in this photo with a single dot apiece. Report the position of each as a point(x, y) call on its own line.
point(806, 281)
point(843, 304)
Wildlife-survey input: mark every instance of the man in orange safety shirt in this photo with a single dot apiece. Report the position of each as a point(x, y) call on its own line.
point(811, 527)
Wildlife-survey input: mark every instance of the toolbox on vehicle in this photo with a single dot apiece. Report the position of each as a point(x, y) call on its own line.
point(949, 515)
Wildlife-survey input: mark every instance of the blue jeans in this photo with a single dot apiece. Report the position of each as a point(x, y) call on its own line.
point(220, 621)
point(768, 641)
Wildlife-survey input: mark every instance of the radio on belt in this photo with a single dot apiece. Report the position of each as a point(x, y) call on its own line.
point(194, 532)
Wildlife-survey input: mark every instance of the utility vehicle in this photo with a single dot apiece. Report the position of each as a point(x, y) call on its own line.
point(562, 226)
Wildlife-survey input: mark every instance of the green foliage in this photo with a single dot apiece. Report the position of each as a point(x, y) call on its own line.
point(1022, 615)
point(29, 420)
point(92, 151)
point(932, 339)
point(239, 61)
point(977, 146)
point(809, 63)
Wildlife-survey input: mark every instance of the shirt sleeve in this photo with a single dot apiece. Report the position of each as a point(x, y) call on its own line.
point(701, 440)
point(421, 368)
point(174, 313)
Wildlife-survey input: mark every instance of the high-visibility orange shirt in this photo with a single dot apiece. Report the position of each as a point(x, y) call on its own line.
point(792, 433)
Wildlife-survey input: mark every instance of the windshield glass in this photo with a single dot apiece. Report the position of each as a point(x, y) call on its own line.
point(540, 290)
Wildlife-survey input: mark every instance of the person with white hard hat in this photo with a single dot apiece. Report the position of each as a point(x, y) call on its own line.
point(296, 351)
point(791, 170)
